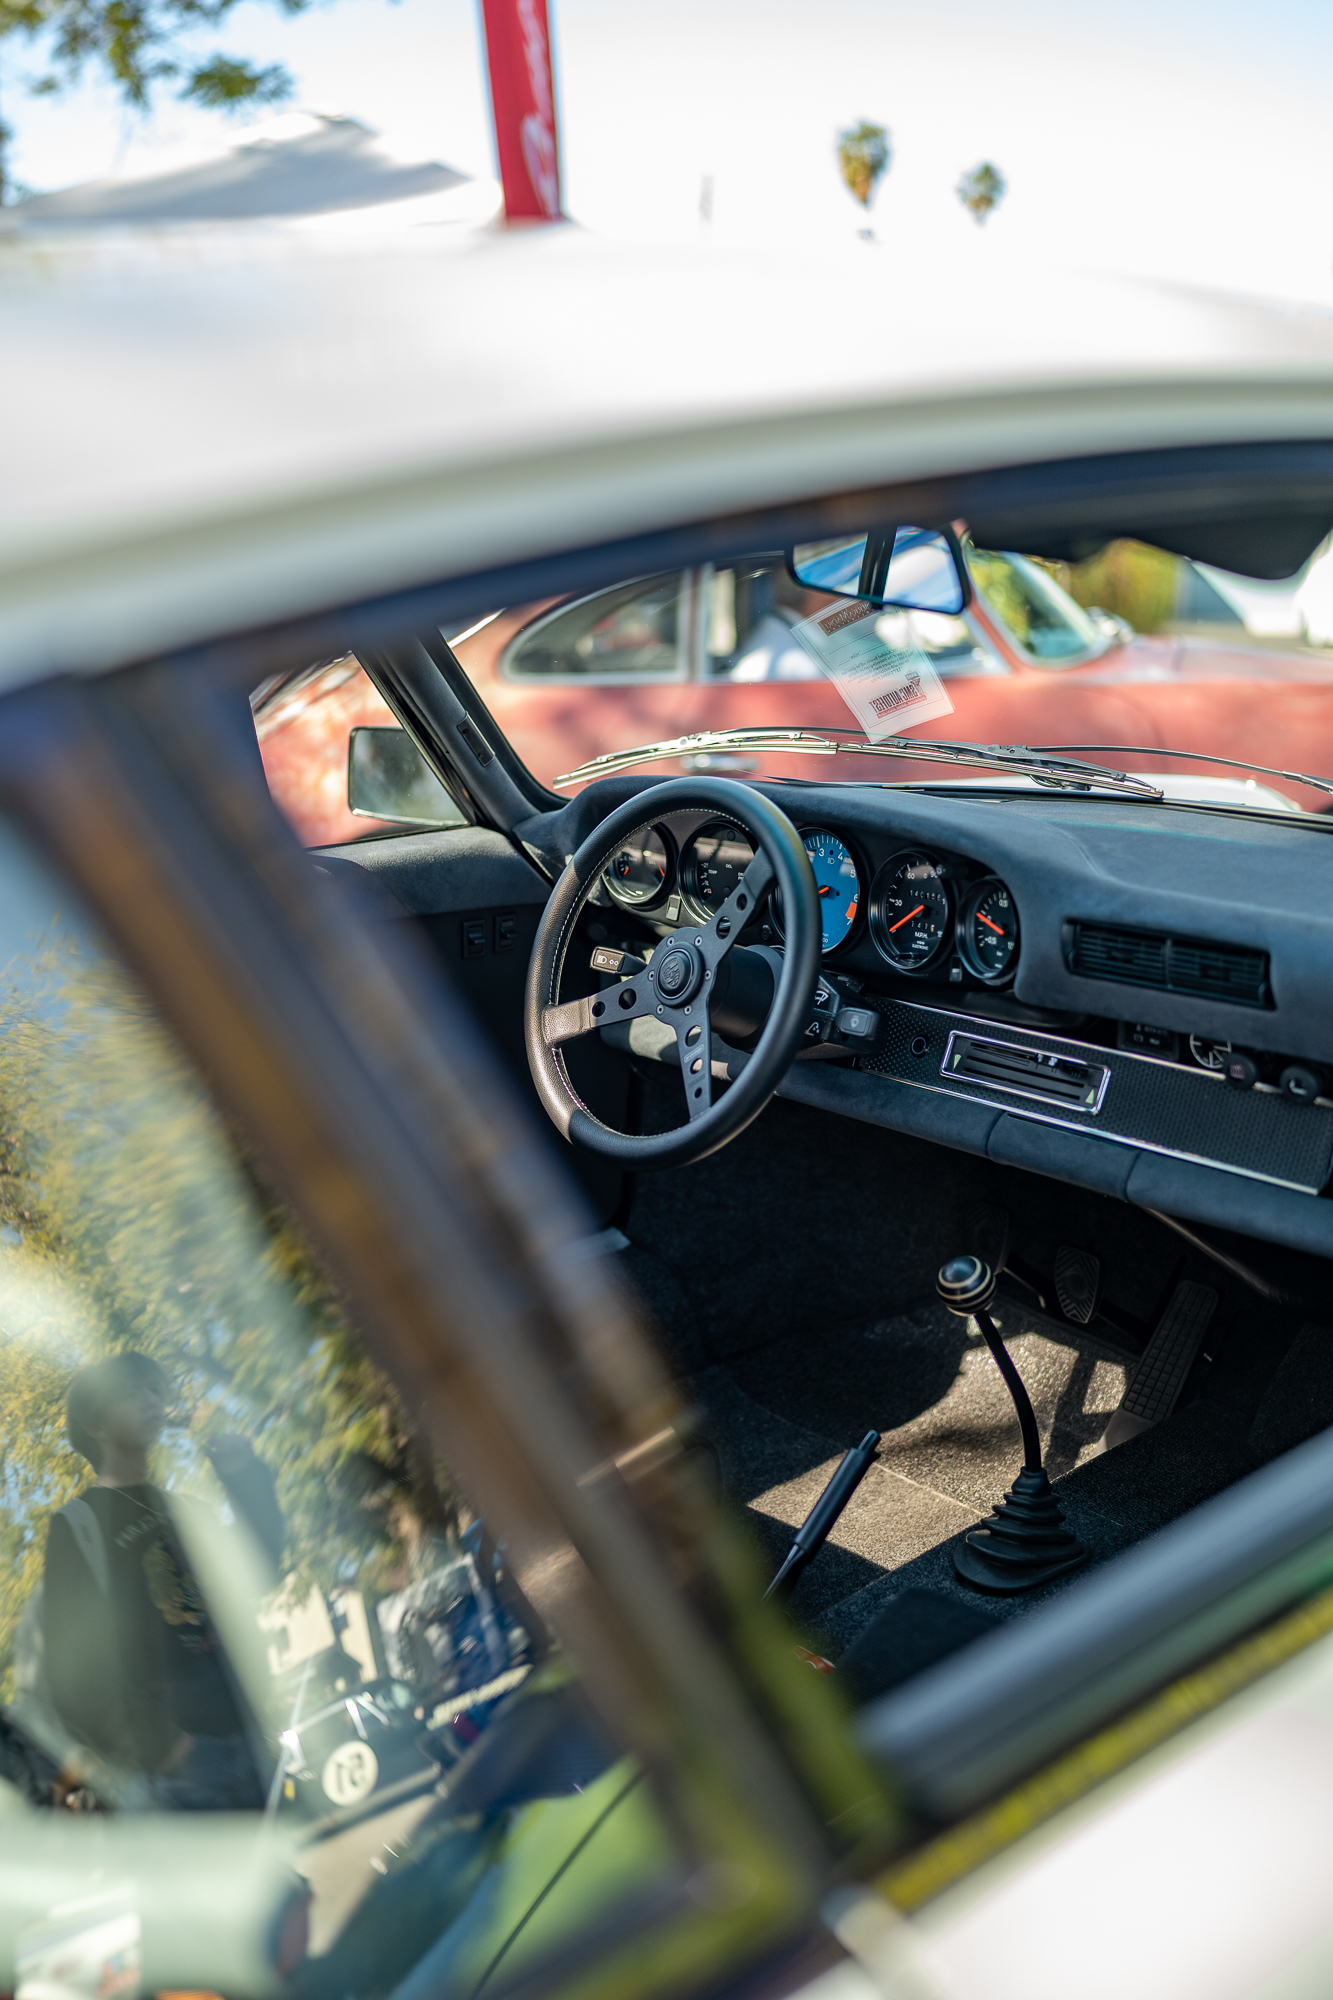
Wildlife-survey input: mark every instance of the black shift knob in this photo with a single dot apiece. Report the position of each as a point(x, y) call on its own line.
point(966, 1285)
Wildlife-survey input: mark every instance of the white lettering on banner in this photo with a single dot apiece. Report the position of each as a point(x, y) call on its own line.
point(537, 130)
point(887, 687)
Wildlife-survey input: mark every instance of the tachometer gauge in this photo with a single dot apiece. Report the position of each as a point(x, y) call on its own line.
point(838, 881)
point(909, 911)
point(641, 871)
point(988, 932)
point(712, 866)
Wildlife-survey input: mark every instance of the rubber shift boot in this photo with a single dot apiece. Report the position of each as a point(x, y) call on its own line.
point(1023, 1545)
point(1164, 1364)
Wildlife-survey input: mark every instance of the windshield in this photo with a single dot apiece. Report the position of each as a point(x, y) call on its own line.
point(1131, 647)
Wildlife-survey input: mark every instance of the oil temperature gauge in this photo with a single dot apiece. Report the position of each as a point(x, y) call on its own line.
point(988, 932)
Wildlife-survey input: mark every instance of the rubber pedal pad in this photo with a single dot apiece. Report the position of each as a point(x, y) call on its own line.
point(1078, 1282)
point(1167, 1359)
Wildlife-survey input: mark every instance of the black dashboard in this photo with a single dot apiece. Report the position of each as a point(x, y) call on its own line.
point(1131, 996)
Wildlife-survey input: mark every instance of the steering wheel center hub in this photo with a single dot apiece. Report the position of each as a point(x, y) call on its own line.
point(677, 971)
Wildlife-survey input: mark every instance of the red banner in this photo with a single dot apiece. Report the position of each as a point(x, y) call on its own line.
point(518, 54)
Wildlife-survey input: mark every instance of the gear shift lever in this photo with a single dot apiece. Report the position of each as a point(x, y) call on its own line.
point(1026, 1542)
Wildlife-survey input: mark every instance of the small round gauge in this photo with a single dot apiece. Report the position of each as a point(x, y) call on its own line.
point(712, 865)
point(909, 911)
point(988, 932)
point(838, 881)
point(1209, 1055)
point(641, 871)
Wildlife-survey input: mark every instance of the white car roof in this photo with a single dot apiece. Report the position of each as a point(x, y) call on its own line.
point(213, 428)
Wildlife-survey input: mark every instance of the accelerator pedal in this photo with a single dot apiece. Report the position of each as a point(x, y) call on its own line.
point(1165, 1362)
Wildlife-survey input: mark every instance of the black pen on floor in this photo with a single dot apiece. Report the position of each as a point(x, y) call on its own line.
point(814, 1529)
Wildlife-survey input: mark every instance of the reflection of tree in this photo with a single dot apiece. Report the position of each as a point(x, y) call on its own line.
point(1136, 582)
point(131, 42)
point(126, 1221)
point(982, 190)
point(864, 155)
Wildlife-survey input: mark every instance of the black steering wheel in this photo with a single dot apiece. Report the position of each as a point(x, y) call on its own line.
point(685, 973)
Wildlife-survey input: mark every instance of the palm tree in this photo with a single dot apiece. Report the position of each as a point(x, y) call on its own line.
point(864, 154)
point(981, 190)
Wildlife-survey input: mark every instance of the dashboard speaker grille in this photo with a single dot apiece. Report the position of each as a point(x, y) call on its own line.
point(1175, 965)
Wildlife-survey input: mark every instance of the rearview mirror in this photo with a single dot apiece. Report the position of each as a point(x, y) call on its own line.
point(388, 778)
point(914, 569)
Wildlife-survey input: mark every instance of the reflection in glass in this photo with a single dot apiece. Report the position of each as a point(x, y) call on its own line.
point(238, 1587)
point(1041, 617)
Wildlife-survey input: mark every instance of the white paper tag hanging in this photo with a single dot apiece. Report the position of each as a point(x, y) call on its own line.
point(887, 687)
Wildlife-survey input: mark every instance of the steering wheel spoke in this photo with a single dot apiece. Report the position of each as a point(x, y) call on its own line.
point(695, 1041)
point(722, 933)
point(572, 1018)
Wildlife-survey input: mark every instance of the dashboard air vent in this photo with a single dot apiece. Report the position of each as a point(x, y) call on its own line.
point(1175, 965)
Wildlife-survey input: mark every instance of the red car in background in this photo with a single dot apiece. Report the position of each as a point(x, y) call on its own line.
point(704, 649)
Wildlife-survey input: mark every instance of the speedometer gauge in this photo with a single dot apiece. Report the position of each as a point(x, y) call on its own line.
point(988, 932)
point(838, 882)
point(712, 866)
point(909, 911)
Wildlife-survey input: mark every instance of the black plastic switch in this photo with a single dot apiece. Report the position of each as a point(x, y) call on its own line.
point(624, 963)
point(474, 937)
point(1240, 1071)
point(857, 1024)
point(506, 933)
point(1299, 1083)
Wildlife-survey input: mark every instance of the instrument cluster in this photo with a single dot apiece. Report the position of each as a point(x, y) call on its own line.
point(919, 906)
point(918, 911)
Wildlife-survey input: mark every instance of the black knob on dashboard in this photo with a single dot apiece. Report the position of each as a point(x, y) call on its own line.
point(966, 1285)
point(1299, 1083)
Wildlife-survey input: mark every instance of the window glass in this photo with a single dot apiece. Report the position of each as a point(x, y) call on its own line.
point(636, 631)
point(1043, 619)
point(751, 608)
point(250, 1626)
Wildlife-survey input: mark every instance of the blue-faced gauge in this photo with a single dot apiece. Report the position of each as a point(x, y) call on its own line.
point(838, 883)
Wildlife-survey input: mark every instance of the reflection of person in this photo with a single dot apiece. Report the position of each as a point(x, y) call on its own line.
point(133, 1661)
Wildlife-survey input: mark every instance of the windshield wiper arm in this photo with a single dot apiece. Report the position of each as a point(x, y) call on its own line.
point(1063, 773)
point(1193, 757)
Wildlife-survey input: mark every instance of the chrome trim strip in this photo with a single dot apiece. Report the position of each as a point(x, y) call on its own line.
point(1016, 1090)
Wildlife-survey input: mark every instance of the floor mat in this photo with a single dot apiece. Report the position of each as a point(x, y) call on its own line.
point(782, 1415)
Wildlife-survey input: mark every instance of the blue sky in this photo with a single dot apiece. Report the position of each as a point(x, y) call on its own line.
point(1184, 140)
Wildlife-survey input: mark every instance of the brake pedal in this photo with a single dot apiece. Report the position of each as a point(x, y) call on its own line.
point(1078, 1280)
point(1165, 1362)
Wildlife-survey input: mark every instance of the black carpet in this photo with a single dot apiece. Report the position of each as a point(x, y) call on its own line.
point(791, 1277)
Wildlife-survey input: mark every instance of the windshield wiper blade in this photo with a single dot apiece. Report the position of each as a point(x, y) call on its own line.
point(1193, 757)
point(1062, 773)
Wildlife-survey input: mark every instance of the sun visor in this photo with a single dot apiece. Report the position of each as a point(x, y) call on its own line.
point(1256, 510)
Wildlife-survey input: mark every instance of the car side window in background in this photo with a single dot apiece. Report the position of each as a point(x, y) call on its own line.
point(1042, 619)
point(238, 1585)
point(638, 631)
point(750, 609)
